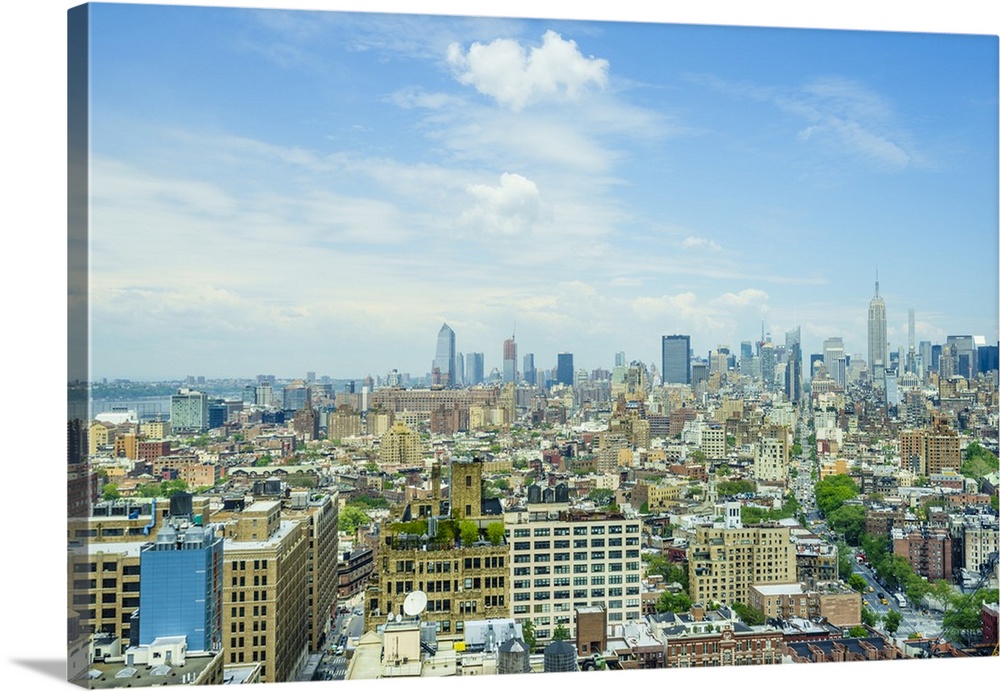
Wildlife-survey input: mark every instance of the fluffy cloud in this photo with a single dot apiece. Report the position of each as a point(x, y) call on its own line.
point(516, 77)
point(509, 209)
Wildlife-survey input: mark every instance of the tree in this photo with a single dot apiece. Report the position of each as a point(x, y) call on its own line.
point(495, 532)
point(868, 617)
point(849, 521)
point(962, 622)
point(469, 532)
point(858, 632)
point(673, 602)
point(560, 633)
point(602, 497)
point(110, 492)
point(832, 492)
point(697, 456)
point(528, 632)
point(979, 462)
point(748, 615)
point(644, 509)
point(731, 487)
point(892, 620)
point(845, 564)
point(351, 517)
point(857, 582)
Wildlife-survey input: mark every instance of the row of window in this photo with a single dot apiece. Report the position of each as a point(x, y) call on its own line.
point(577, 530)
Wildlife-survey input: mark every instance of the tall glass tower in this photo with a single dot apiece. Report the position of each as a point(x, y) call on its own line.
point(444, 357)
point(676, 355)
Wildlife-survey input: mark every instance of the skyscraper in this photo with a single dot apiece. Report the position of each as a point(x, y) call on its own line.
point(509, 360)
point(793, 364)
point(474, 372)
point(528, 372)
point(564, 369)
point(443, 370)
point(878, 340)
point(835, 359)
point(676, 358)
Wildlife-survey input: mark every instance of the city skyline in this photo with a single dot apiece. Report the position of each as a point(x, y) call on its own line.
point(337, 185)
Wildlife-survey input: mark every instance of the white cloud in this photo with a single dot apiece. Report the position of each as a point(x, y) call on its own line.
point(692, 242)
point(516, 77)
point(510, 209)
point(750, 297)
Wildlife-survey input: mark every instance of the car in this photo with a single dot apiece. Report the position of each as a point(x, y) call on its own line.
point(871, 589)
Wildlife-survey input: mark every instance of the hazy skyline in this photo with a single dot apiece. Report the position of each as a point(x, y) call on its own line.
point(278, 191)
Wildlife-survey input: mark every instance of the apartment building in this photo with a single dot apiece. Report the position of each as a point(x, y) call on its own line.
point(563, 559)
point(725, 559)
point(265, 602)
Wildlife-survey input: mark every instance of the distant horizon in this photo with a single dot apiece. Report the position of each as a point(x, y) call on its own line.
point(272, 187)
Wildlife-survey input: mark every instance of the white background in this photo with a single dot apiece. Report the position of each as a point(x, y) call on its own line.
point(34, 333)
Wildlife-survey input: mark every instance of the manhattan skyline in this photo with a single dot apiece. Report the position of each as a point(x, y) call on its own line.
point(281, 191)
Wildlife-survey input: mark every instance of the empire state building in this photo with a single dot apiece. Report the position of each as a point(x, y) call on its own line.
point(878, 344)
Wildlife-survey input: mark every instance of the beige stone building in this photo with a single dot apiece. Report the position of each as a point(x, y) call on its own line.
point(400, 446)
point(724, 562)
point(266, 591)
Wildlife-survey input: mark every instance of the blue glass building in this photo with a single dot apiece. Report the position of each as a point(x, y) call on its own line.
point(180, 586)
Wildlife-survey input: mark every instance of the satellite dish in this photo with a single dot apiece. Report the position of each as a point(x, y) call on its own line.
point(391, 617)
point(415, 603)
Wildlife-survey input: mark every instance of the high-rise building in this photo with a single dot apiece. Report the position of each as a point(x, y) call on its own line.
point(443, 369)
point(180, 573)
point(564, 369)
point(793, 364)
point(189, 411)
point(676, 356)
point(528, 372)
point(459, 369)
point(474, 372)
point(966, 361)
point(509, 361)
point(878, 340)
point(835, 360)
point(266, 591)
point(723, 562)
point(572, 559)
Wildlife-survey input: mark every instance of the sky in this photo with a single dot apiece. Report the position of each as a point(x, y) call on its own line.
point(279, 191)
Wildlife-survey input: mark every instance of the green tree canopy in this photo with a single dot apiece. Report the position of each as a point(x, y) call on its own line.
point(561, 633)
point(661, 566)
point(731, 487)
point(857, 582)
point(858, 632)
point(673, 602)
point(495, 532)
point(528, 631)
point(962, 622)
point(845, 563)
point(602, 497)
point(748, 614)
point(469, 532)
point(832, 492)
point(979, 462)
point(351, 517)
point(849, 521)
point(110, 492)
point(892, 621)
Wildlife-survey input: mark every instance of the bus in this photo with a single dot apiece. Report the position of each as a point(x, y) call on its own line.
point(900, 600)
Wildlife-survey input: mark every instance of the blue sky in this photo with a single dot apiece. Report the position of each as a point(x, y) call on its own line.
point(277, 191)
